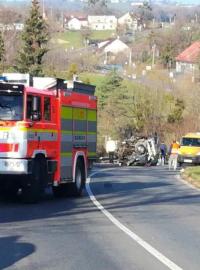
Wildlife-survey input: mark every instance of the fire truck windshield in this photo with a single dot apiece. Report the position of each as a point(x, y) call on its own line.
point(11, 107)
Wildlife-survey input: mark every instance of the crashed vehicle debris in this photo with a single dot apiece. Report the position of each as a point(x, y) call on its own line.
point(138, 151)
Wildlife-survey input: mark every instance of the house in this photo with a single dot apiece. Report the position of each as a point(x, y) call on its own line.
point(188, 60)
point(116, 46)
point(128, 20)
point(19, 26)
point(102, 22)
point(111, 48)
point(77, 23)
point(12, 27)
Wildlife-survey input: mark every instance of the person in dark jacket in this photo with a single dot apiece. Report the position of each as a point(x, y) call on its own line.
point(163, 153)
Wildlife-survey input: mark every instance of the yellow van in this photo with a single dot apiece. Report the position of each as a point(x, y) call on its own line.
point(189, 151)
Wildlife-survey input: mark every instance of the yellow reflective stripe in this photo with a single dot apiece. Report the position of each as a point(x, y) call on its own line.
point(5, 128)
point(80, 133)
point(67, 132)
point(66, 112)
point(67, 154)
point(92, 115)
point(29, 129)
point(91, 154)
point(79, 114)
point(70, 132)
point(39, 130)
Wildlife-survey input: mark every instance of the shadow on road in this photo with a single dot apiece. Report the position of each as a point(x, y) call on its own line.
point(48, 208)
point(131, 186)
point(12, 251)
point(118, 188)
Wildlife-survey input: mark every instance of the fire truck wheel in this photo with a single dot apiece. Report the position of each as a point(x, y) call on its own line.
point(33, 188)
point(78, 185)
point(73, 189)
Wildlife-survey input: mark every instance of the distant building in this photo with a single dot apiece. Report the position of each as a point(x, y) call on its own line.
point(113, 46)
point(128, 20)
point(102, 22)
point(109, 49)
point(137, 4)
point(12, 27)
point(187, 61)
point(77, 23)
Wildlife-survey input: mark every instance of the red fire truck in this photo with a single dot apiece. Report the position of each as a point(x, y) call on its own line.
point(47, 137)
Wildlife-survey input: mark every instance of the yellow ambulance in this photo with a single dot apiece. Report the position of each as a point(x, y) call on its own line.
point(189, 151)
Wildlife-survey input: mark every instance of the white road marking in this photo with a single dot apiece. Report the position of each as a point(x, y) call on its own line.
point(158, 255)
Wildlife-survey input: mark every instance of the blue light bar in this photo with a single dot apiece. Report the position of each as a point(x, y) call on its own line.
point(3, 79)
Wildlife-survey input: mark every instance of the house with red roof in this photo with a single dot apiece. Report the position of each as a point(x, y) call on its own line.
point(187, 61)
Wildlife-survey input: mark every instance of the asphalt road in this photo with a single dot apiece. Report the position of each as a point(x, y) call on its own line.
point(148, 220)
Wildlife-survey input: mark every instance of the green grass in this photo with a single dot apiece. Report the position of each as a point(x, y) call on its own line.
point(192, 175)
point(69, 39)
point(74, 39)
point(92, 78)
point(102, 35)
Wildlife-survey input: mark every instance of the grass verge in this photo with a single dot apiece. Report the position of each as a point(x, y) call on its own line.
point(192, 175)
point(92, 78)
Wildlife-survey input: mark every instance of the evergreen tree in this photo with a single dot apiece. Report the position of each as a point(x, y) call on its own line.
point(95, 2)
point(2, 48)
point(35, 38)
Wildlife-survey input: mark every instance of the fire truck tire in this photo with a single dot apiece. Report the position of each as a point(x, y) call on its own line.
point(78, 186)
point(33, 188)
point(72, 189)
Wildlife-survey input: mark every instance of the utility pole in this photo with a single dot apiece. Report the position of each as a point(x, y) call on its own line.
point(153, 55)
point(43, 9)
point(130, 58)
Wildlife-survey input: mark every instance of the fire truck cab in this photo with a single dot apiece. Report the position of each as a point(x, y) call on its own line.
point(47, 137)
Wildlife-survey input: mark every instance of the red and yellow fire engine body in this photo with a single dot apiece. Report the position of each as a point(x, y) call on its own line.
point(54, 127)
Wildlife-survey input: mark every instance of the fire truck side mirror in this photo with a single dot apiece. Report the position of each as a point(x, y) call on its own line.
point(35, 116)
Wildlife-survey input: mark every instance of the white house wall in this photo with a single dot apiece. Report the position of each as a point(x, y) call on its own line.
point(74, 24)
point(116, 47)
point(184, 67)
point(102, 22)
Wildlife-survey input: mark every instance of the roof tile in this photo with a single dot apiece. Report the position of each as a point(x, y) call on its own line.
point(190, 54)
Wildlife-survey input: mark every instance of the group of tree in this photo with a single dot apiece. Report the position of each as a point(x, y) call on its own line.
point(125, 107)
point(34, 41)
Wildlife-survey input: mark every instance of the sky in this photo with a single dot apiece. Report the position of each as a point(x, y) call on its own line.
point(186, 2)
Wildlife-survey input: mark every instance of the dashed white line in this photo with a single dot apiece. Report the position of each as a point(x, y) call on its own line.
point(158, 255)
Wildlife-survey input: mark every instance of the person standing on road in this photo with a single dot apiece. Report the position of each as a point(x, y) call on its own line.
point(173, 155)
point(163, 152)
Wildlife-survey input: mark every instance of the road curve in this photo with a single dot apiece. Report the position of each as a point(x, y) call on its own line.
point(156, 207)
point(73, 234)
